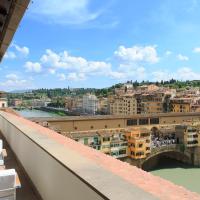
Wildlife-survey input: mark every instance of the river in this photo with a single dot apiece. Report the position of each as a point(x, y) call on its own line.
point(179, 173)
point(174, 171)
point(36, 113)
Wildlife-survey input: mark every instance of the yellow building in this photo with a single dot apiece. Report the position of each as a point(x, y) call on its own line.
point(152, 102)
point(192, 136)
point(123, 105)
point(105, 140)
point(113, 142)
point(181, 104)
point(139, 142)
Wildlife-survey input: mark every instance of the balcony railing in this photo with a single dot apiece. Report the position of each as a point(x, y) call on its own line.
point(61, 168)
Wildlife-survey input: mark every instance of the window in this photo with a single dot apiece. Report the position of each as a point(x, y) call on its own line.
point(114, 153)
point(122, 151)
point(106, 139)
point(132, 153)
point(139, 153)
point(154, 121)
point(131, 122)
point(105, 146)
point(96, 140)
point(140, 145)
point(144, 134)
point(85, 141)
point(143, 121)
point(132, 145)
point(114, 145)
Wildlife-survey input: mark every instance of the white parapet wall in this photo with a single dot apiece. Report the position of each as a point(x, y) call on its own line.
point(63, 169)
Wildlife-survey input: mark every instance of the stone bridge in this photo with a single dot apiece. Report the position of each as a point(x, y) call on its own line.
point(174, 151)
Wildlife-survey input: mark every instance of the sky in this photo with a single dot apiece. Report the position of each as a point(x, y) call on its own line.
point(97, 43)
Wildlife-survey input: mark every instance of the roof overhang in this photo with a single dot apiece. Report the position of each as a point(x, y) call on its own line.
point(11, 13)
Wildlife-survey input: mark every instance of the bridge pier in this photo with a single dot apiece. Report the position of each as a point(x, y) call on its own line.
point(196, 160)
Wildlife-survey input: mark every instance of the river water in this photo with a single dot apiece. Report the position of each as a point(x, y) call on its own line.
point(174, 171)
point(36, 113)
point(179, 173)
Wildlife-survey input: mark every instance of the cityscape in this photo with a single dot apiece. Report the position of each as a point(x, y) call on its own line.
point(81, 124)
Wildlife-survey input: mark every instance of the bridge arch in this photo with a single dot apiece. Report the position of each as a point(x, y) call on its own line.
point(155, 158)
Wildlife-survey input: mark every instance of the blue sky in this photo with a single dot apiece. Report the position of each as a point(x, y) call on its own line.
point(96, 43)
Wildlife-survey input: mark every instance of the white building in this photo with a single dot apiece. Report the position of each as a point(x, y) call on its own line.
point(3, 103)
point(90, 103)
point(3, 100)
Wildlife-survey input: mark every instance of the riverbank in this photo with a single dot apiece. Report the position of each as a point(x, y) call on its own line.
point(58, 111)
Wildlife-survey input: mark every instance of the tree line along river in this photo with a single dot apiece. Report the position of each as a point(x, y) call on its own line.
point(174, 171)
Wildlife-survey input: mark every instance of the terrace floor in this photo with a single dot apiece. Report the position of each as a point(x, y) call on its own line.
point(26, 192)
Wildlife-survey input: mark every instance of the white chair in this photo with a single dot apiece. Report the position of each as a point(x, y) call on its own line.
point(8, 184)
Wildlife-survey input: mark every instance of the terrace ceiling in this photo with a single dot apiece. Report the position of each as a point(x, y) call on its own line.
point(11, 13)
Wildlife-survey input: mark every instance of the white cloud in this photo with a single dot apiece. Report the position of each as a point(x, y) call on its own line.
point(62, 77)
point(10, 55)
point(161, 75)
point(76, 68)
point(64, 61)
point(136, 54)
point(33, 67)
point(196, 50)
point(13, 81)
point(17, 51)
point(117, 75)
point(64, 11)
point(24, 51)
point(76, 77)
point(136, 73)
point(52, 71)
point(71, 77)
point(168, 53)
point(186, 73)
point(182, 57)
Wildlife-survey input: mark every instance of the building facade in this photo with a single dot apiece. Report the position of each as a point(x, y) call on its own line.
point(123, 105)
point(90, 103)
point(139, 143)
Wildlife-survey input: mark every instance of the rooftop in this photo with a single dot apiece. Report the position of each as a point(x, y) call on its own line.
point(107, 117)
